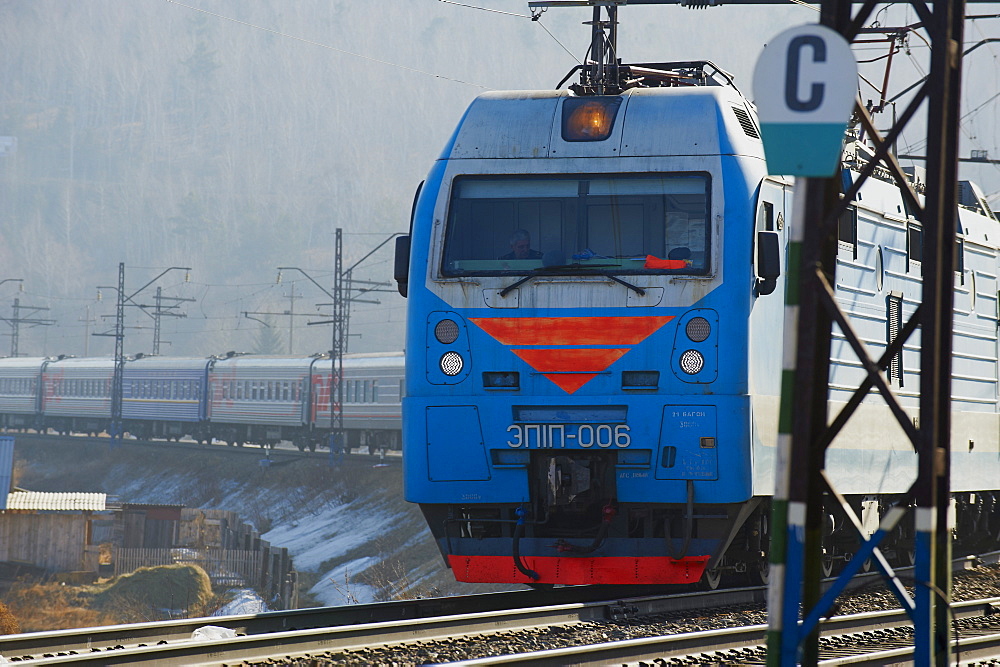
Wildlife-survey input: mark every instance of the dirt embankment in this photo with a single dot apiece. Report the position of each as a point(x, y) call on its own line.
point(352, 536)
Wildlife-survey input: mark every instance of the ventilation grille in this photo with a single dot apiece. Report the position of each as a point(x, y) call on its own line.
point(746, 123)
point(894, 322)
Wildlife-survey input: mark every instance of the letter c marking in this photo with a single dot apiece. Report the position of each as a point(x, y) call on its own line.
point(792, 73)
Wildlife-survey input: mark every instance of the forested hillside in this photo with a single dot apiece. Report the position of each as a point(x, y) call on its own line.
point(234, 136)
point(150, 133)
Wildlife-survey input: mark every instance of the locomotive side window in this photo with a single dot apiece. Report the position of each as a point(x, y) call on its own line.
point(914, 246)
point(650, 223)
point(847, 231)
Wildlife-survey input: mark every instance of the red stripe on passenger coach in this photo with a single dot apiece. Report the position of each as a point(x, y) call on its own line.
point(571, 330)
point(575, 571)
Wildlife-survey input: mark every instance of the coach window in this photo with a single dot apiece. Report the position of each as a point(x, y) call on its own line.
point(374, 391)
point(402, 389)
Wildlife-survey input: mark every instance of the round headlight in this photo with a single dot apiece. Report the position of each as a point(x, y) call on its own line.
point(446, 331)
point(451, 363)
point(698, 329)
point(692, 362)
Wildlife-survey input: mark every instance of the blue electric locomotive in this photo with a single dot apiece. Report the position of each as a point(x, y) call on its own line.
point(595, 335)
point(578, 408)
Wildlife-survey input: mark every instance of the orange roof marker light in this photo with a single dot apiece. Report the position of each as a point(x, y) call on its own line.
point(589, 118)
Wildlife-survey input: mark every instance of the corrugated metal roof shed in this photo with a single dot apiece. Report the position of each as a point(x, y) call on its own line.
point(56, 502)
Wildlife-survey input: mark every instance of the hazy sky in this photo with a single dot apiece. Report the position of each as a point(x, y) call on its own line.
point(323, 114)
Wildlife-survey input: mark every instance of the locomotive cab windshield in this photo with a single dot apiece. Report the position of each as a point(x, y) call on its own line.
point(645, 223)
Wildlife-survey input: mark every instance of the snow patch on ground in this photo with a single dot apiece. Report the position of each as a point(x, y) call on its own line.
point(333, 530)
point(336, 588)
point(245, 601)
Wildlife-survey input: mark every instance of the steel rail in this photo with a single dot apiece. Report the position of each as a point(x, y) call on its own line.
point(733, 643)
point(324, 642)
point(348, 637)
point(615, 601)
point(419, 617)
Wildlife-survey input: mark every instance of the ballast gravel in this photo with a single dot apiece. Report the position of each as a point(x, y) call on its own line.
point(978, 583)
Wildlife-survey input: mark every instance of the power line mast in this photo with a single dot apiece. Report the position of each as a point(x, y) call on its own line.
point(342, 296)
point(341, 313)
point(160, 311)
point(16, 320)
point(115, 429)
point(796, 604)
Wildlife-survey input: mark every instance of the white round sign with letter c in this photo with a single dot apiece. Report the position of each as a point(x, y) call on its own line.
point(804, 85)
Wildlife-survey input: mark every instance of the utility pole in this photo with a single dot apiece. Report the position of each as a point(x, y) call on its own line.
point(117, 380)
point(17, 320)
point(161, 311)
point(291, 317)
point(87, 321)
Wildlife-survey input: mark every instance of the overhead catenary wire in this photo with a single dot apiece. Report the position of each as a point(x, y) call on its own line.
point(535, 18)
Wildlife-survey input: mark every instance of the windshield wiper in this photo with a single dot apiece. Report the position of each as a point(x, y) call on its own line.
point(559, 268)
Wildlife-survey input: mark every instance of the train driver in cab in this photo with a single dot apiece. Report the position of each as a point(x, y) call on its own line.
point(520, 247)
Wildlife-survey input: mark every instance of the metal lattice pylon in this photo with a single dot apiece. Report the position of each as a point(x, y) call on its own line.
point(805, 431)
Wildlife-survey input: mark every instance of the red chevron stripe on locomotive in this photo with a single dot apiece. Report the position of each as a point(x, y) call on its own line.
point(570, 367)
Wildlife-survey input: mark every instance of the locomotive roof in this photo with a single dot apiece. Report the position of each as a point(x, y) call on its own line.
point(674, 121)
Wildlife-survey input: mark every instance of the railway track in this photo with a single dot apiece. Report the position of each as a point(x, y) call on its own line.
point(353, 630)
point(877, 638)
